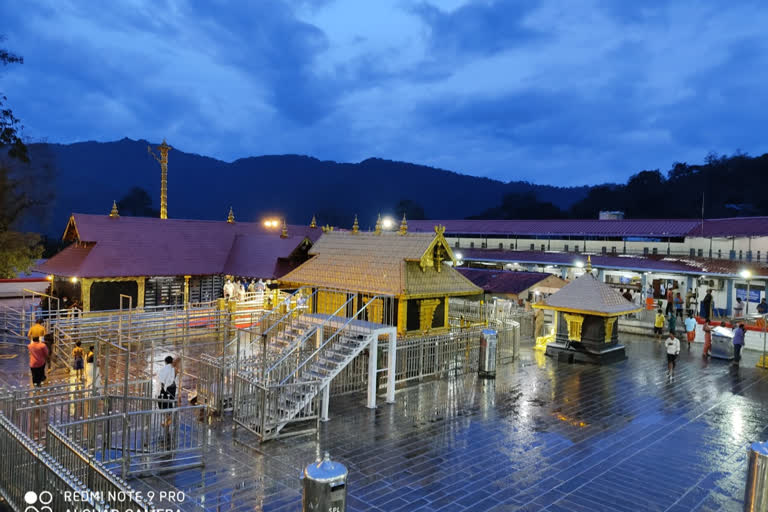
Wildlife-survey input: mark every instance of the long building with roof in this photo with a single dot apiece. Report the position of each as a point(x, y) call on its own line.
point(728, 256)
point(164, 261)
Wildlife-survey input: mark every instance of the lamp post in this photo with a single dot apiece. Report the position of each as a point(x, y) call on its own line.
point(746, 274)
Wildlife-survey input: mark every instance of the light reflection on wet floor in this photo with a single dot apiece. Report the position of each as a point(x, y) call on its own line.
point(542, 436)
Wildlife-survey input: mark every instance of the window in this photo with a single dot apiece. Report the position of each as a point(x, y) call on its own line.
point(501, 245)
point(719, 254)
point(457, 244)
point(613, 249)
point(483, 245)
point(565, 247)
point(740, 254)
point(701, 253)
point(758, 255)
point(645, 251)
point(605, 250)
point(471, 245)
point(512, 245)
point(576, 249)
point(655, 250)
point(543, 247)
point(533, 247)
point(693, 252)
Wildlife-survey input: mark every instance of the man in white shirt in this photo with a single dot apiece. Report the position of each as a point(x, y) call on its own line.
point(167, 379)
point(673, 349)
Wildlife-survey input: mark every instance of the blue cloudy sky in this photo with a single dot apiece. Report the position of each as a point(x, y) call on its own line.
point(551, 91)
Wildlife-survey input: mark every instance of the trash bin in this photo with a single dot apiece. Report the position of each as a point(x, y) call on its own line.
point(722, 343)
point(487, 364)
point(325, 486)
point(756, 488)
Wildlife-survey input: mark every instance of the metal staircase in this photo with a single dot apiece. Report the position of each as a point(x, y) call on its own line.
point(287, 392)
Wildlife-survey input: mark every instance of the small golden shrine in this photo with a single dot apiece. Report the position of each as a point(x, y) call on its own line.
point(413, 268)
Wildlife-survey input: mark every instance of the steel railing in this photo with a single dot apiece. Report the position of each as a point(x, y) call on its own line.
point(25, 467)
point(142, 442)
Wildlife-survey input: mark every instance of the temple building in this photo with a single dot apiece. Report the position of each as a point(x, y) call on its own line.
point(413, 274)
point(587, 313)
point(168, 261)
point(505, 284)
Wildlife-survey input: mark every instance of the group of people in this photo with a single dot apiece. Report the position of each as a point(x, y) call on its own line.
point(236, 290)
point(40, 350)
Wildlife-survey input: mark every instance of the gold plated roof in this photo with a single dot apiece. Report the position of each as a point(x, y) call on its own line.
point(386, 263)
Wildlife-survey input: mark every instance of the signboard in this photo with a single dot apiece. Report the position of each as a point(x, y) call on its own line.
point(754, 295)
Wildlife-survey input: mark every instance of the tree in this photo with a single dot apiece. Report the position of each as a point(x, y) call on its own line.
point(137, 203)
point(521, 206)
point(411, 209)
point(18, 251)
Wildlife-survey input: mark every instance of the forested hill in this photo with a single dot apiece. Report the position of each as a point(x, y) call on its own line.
point(90, 175)
point(726, 186)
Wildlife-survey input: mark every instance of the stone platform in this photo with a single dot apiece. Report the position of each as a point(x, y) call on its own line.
point(542, 436)
point(576, 353)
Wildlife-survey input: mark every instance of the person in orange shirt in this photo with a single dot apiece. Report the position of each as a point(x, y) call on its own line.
point(38, 355)
point(36, 331)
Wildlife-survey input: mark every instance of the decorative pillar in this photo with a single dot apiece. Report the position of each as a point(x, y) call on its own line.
point(186, 291)
point(141, 291)
point(446, 322)
point(163, 160)
point(402, 315)
point(85, 293)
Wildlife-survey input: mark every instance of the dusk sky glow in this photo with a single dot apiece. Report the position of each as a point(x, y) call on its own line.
point(565, 93)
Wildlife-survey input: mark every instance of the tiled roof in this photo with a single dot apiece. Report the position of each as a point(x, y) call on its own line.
point(678, 264)
point(504, 281)
point(136, 246)
point(740, 226)
point(384, 264)
point(586, 293)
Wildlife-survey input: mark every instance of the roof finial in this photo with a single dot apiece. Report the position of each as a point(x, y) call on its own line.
point(403, 226)
point(231, 216)
point(355, 226)
point(377, 229)
point(589, 264)
point(114, 213)
point(313, 224)
point(284, 231)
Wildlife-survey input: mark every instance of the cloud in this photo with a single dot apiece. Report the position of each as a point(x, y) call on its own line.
point(564, 93)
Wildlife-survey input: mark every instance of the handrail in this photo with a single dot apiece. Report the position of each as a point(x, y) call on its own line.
point(288, 313)
point(332, 336)
point(296, 345)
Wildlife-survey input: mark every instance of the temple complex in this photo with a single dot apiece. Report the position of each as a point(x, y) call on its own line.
point(168, 261)
point(415, 269)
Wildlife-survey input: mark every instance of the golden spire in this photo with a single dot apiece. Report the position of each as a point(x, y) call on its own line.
point(231, 216)
point(355, 226)
point(313, 224)
point(114, 213)
point(284, 232)
point(403, 226)
point(589, 264)
point(377, 229)
point(163, 159)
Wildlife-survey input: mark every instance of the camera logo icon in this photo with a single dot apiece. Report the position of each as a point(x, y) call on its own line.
point(31, 498)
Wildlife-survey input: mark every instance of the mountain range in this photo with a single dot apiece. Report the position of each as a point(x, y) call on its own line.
point(88, 176)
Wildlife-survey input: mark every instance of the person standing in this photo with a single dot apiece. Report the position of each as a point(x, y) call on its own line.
point(38, 356)
point(679, 305)
point(670, 301)
point(673, 350)
point(167, 379)
point(706, 305)
point(78, 360)
point(738, 309)
point(738, 342)
point(707, 338)
point(36, 330)
point(658, 324)
point(762, 308)
point(672, 319)
point(690, 329)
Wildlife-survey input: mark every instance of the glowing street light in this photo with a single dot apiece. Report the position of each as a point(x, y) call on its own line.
point(271, 223)
point(747, 275)
point(73, 280)
point(579, 264)
point(387, 223)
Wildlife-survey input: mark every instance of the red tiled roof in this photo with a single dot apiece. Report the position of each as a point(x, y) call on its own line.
point(755, 226)
point(140, 246)
point(500, 281)
point(675, 264)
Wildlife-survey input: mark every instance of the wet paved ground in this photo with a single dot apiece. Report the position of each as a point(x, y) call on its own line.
point(542, 436)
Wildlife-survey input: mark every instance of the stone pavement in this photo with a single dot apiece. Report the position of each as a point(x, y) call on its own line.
point(542, 436)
